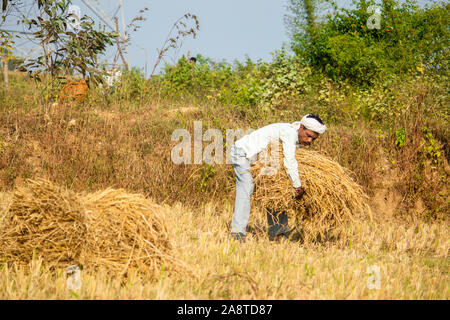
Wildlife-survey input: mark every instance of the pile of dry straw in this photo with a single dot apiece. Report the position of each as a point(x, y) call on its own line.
point(332, 199)
point(111, 229)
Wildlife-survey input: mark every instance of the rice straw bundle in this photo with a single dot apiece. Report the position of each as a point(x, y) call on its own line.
point(125, 231)
point(45, 221)
point(111, 229)
point(332, 198)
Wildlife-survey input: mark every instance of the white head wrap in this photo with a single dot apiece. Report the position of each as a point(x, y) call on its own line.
point(312, 124)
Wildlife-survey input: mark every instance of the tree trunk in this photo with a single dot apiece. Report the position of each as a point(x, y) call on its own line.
point(5, 72)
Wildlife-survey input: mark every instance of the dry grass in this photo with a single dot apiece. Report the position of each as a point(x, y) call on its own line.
point(412, 257)
point(111, 229)
point(43, 220)
point(125, 231)
point(332, 201)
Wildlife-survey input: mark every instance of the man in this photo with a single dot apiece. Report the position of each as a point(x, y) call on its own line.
point(292, 136)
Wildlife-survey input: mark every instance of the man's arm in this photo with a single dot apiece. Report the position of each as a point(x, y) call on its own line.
point(288, 140)
point(291, 165)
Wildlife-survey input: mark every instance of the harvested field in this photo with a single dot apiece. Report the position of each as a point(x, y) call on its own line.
point(412, 257)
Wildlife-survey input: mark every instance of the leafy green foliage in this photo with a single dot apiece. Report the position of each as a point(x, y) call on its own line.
point(400, 137)
point(409, 37)
point(6, 45)
point(431, 147)
point(266, 84)
point(131, 85)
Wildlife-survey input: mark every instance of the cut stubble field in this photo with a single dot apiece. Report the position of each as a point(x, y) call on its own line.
point(412, 259)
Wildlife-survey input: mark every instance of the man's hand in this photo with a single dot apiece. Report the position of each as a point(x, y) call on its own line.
point(299, 192)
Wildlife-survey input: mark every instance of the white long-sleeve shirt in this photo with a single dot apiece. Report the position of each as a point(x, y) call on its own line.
point(258, 140)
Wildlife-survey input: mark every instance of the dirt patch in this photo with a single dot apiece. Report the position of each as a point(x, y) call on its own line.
point(386, 202)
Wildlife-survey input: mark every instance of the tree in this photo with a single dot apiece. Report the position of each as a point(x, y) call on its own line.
point(65, 50)
point(5, 53)
point(302, 20)
point(345, 46)
point(6, 45)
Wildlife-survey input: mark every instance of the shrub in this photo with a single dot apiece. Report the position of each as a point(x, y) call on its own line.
point(345, 48)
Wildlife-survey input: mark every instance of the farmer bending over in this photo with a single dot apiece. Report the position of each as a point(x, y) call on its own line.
point(292, 136)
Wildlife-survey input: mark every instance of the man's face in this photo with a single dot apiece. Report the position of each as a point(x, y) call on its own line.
point(306, 136)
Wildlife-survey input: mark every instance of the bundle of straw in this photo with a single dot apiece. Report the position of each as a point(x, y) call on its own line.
point(125, 231)
point(332, 199)
point(43, 220)
point(111, 229)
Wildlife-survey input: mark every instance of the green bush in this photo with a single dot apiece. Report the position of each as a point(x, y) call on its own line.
point(184, 80)
point(266, 84)
point(132, 84)
point(409, 37)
